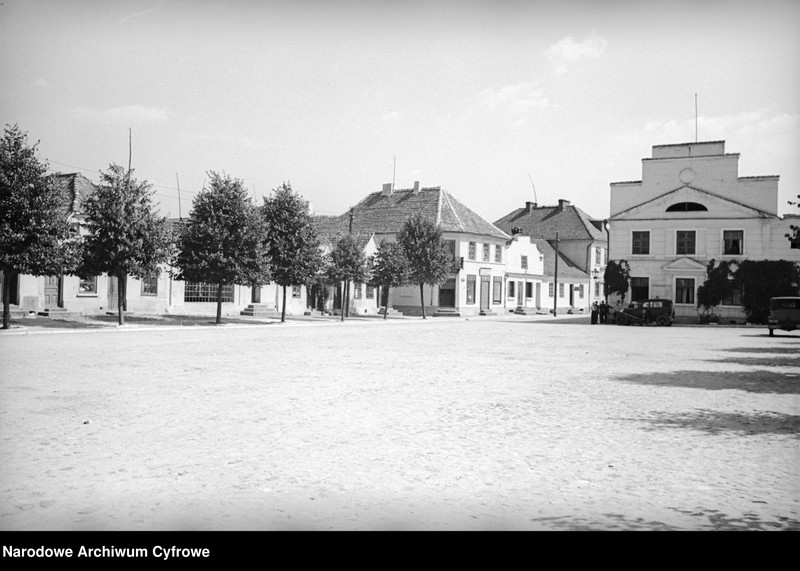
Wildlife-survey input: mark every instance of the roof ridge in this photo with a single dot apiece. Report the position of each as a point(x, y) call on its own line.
point(453, 210)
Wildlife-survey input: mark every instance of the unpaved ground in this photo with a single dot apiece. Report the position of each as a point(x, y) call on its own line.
point(438, 424)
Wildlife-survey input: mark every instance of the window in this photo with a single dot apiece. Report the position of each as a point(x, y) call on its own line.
point(685, 243)
point(529, 290)
point(640, 288)
point(370, 292)
point(451, 247)
point(88, 286)
point(296, 291)
point(150, 286)
point(687, 207)
point(497, 292)
point(580, 291)
point(597, 289)
point(735, 298)
point(205, 292)
point(598, 256)
point(684, 290)
point(356, 290)
point(524, 262)
point(561, 290)
point(471, 288)
point(486, 252)
point(550, 289)
point(641, 243)
point(472, 250)
point(498, 254)
point(511, 285)
point(733, 242)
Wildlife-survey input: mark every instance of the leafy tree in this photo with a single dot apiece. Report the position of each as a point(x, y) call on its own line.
point(125, 236)
point(429, 259)
point(794, 235)
point(718, 284)
point(224, 241)
point(617, 278)
point(34, 230)
point(292, 240)
point(762, 280)
point(390, 268)
point(347, 264)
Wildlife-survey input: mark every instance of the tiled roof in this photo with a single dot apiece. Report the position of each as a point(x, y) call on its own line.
point(566, 268)
point(571, 223)
point(381, 214)
point(76, 186)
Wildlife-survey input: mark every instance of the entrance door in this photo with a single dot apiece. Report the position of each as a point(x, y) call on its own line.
point(447, 293)
point(485, 283)
point(255, 293)
point(538, 294)
point(572, 295)
point(520, 294)
point(52, 291)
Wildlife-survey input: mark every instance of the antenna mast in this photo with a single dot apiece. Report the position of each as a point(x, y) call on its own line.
point(695, 117)
point(394, 169)
point(180, 217)
point(534, 189)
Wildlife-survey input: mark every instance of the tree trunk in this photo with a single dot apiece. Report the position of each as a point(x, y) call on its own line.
point(121, 279)
point(422, 298)
point(283, 309)
point(347, 298)
point(219, 303)
point(344, 299)
point(386, 309)
point(6, 299)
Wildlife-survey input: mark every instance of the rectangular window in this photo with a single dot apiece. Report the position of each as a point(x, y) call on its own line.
point(524, 262)
point(597, 289)
point(88, 286)
point(497, 292)
point(356, 290)
point(733, 242)
point(685, 243)
point(205, 292)
point(470, 288)
point(529, 290)
point(684, 290)
point(735, 298)
point(640, 288)
point(498, 254)
point(451, 247)
point(296, 291)
point(580, 291)
point(511, 286)
point(486, 252)
point(370, 292)
point(550, 289)
point(150, 286)
point(561, 290)
point(641, 243)
point(598, 256)
point(472, 250)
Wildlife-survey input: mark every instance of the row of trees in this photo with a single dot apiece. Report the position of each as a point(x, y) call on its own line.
point(226, 240)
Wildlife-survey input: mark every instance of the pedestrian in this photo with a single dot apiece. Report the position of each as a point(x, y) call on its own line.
point(594, 313)
point(603, 309)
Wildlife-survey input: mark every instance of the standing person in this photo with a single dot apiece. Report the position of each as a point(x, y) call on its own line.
point(594, 313)
point(603, 312)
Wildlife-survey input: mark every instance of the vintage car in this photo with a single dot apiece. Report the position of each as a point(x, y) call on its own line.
point(647, 311)
point(784, 313)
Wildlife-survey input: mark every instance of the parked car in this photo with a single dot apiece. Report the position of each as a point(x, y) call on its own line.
point(646, 311)
point(784, 313)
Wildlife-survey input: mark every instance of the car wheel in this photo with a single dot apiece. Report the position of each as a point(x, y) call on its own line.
point(662, 320)
point(623, 320)
point(771, 332)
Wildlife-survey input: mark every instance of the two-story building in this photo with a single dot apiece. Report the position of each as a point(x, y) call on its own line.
point(690, 207)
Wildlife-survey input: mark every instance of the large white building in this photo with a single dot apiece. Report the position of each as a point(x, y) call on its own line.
point(690, 207)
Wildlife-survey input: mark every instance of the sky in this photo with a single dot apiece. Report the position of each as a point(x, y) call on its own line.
point(497, 102)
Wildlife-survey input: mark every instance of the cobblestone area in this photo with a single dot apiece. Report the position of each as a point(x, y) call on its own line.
point(440, 424)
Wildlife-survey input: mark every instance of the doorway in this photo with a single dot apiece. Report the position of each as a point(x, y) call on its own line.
point(485, 283)
point(447, 293)
point(53, 294)
point(255, 293)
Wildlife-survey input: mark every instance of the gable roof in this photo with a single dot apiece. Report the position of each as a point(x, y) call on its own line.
point(380, 213)
point(566, 268)
point(75, 186)
point(570, 222)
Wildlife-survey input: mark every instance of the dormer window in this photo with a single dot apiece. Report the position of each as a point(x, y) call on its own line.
point(687, 207)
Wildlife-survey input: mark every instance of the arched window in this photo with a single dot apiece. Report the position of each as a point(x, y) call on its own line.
point(687, 207)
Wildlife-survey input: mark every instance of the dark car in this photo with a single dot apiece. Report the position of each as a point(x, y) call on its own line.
point(784, 313)
point(644, 311)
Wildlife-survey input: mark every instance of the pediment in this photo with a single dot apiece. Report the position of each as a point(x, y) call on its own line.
point(717, 206)
point(684, 264)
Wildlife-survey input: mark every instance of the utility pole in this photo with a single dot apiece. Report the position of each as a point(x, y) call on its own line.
point(555, 289)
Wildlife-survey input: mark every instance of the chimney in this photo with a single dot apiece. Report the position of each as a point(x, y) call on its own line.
point(562, 204)
point(529, 206)
point(416, 187)
point(387, 189)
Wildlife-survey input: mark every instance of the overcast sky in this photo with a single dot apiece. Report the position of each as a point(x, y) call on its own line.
point(339, 97)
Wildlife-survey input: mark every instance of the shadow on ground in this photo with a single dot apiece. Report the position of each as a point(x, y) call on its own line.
point(750, 381)
point(716, 422)
point(790, 349)
point(761, 361)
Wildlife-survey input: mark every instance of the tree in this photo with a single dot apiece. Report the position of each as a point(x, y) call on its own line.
point(617, 277)
point(347, 264)
point(225, 240)
point(35, 235)
point(429, 259)
point(125, 236)
point(292, 240)
point(718, 285)
point(390, 268)
point(762, 280)
point(794, 235)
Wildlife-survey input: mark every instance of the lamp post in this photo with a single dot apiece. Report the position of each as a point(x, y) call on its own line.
point(555, 288)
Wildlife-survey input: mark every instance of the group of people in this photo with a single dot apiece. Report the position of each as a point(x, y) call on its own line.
point(599, 311)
